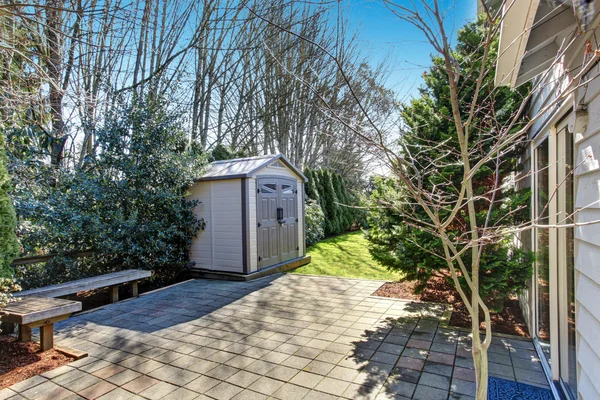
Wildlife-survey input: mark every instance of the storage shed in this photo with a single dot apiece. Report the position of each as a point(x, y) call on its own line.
point(254, 213)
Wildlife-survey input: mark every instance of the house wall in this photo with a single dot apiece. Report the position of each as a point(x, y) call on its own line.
point(587, 206)
point(587, 241)
point(219, 246)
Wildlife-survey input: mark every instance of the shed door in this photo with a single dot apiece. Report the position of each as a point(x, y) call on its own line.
point(268, 228)
point(278, 218)
point(288, 226)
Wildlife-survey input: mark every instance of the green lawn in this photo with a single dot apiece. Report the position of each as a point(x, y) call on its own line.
point(347, 256)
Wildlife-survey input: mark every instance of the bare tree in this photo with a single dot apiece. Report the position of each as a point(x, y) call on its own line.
point(483, 138)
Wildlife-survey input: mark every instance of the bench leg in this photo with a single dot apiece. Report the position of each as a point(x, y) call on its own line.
point(46, 337)
point(134, 289)
point(24, 333)
point(114, 294)
point(7, 328)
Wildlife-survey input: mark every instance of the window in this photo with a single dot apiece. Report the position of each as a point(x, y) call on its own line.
point(268, 188)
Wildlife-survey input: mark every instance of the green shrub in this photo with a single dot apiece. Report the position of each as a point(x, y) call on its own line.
point(338, 201)
point(127, 204)
point(315, 221)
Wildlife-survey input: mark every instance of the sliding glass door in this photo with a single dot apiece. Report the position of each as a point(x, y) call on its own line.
point(554, 280)
point(566, 263)
point(542, 268)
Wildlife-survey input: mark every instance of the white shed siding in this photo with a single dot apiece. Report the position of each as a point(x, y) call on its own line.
point(219, 246)
point(587, 246)
point(252, 247)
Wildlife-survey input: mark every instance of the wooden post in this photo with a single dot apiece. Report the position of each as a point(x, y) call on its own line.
point(46, 337)
point(24, 333)
point(7, 328)
point(134, 289)
point(114, 294)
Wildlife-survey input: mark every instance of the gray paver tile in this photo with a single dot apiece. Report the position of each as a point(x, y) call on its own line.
point(146, 367)
point(140, 384)
point(462, 387)
point(266, 385)
point(6, 393)
point(429, 393)
point(402, 388)
point(123, 377)
point(81, 383)
point(202, 384)
point(57, 372)
point(275, 357)
point(282, 373)
point(359, 392)
point(181, 394)
point(108, 371)
point(243, 378)
point(158, 391)
point(164, 372)
point(439, 369)
point(260, 367)
point(97, 390)
point(316, 395)
point(306, 379)
point(28, 383)
point(182, 378)
point(318, 367)
point(247, 394)
point(332, 386)
point(222, 372)
point(296, 362)
point(224, 391)
point(117, 394)
point(202, 366)
point(291, 392)
point(436, 381)
point(343, 373)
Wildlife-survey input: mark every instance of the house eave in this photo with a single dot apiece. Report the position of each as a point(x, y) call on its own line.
point(518, 18)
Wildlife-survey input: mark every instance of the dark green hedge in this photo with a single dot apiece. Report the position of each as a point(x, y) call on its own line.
point(337, 200)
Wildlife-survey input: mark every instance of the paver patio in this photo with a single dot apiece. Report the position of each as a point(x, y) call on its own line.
point(281, 337)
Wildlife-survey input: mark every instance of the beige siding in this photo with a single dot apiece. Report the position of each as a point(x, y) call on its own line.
point(587, 246)
point(219, 246)
point(252, 222)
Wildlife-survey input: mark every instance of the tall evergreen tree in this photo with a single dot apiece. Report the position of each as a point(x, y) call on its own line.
point(9, 246)
point(430, 140)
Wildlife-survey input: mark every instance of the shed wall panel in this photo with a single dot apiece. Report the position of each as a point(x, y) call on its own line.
point(219, 246)
point(252, 228)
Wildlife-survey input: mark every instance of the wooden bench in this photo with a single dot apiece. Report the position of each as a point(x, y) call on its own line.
point(43, 312)
point(112, 280)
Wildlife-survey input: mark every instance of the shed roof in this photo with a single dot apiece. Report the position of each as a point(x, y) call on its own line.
point(244, 167)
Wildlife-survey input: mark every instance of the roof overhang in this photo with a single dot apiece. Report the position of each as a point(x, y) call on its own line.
point(532, 34)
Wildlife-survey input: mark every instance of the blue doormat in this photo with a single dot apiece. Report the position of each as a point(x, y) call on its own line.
point(502, 389)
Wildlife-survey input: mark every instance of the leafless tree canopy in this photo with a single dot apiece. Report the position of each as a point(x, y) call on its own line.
point(238, 71)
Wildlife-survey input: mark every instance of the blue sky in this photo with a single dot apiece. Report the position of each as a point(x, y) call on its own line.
point(383, 36)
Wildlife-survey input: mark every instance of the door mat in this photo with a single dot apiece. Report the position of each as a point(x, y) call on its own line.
point(502, 389)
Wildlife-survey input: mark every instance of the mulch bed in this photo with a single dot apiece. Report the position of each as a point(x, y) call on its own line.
point(509, 321)
point(22, 360)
